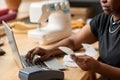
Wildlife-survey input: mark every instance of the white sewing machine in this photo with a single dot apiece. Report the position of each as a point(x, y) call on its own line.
point(56, 15)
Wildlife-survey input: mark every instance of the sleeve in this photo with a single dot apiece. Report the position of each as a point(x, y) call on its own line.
point(95, 24)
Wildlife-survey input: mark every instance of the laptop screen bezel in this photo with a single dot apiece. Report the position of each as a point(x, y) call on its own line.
point(12, 42)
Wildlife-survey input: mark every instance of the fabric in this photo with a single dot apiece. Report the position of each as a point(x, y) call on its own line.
point(21, 27)
point(109, 43)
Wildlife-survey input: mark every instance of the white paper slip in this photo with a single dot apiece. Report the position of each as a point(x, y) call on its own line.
point(89, 50)
point(68, 58)
point(70, 64)
point(68, 61)
point(66, 50)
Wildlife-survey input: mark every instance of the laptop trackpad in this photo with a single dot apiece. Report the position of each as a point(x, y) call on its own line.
point(54, 64)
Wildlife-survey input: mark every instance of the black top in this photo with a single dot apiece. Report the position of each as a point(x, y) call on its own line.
point(109, 43)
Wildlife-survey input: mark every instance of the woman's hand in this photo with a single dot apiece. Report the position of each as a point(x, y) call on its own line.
point(86, 63)
point(44, 54)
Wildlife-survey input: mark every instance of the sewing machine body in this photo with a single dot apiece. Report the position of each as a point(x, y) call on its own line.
point(56, 15)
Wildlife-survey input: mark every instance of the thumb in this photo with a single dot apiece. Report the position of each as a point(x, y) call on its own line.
point(73, 56)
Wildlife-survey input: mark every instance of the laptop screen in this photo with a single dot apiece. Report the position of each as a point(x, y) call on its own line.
point(12, 43)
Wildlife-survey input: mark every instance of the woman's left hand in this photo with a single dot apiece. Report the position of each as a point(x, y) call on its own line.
point(86, 63)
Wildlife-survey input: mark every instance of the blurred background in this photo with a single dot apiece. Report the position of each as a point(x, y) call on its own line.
point(79, 8)
point(19, 9)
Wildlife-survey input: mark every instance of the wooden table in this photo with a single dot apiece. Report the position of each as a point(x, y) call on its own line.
point(9, 69)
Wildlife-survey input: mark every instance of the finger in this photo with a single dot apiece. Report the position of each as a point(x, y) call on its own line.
point(43, 58)
point(37, 60)
point(80, 61)
point(86, 58)
point(29, 53)
point(40, 59)
point(82, 65)
point(36, 51)
point(73, 56)
point(76, 59)
point(83, 58)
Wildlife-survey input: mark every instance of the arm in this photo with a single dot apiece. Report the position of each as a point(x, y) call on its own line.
point(109, 71)
point(74, 42)
point(87, 63)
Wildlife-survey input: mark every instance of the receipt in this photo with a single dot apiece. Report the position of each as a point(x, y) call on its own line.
point(89, 50)
point(69, 62)
point(66, 50)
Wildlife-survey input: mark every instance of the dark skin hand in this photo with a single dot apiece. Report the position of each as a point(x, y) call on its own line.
point(88, 63)
point(85, 62)
point(37, 51)
point(43, 53)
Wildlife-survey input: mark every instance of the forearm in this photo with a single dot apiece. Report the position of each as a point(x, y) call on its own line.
point(68, 42)
point(109, 71)
point(74, 41)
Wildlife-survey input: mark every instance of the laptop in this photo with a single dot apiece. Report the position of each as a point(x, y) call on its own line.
point(52, 63)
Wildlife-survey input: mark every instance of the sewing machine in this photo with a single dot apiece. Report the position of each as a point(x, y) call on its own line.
point(54, 20)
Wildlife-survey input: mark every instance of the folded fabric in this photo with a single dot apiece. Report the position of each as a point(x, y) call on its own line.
point(48, 35)
point(53, 36)
point(21, 27)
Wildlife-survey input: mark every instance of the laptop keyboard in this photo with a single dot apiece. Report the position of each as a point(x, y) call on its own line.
point(41, 65)
point(52, 63)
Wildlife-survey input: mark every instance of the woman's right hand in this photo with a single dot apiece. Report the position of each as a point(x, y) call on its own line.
point(43, 53)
